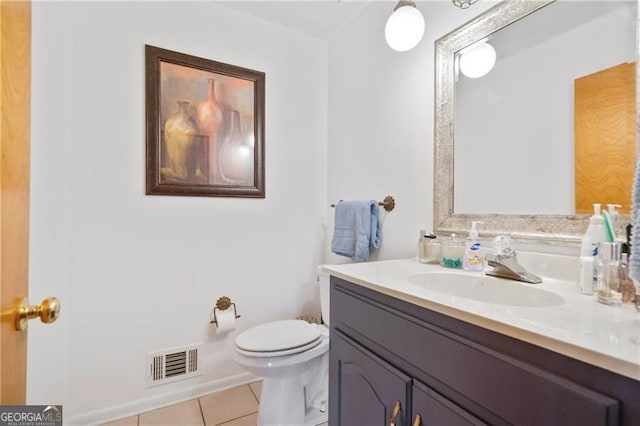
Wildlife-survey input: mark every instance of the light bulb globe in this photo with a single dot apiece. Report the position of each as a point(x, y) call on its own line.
point(478, 61)
point(404, 28)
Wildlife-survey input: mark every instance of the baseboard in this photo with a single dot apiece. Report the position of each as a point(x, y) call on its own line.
point(147, 404)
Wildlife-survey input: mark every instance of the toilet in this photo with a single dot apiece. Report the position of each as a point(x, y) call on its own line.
point(292, 357)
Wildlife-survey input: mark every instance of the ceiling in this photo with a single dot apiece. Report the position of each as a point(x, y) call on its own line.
point(318, 18)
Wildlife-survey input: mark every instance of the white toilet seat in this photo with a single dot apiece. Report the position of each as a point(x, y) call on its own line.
point(291, 351)
point(276, 362)
point(278, 338)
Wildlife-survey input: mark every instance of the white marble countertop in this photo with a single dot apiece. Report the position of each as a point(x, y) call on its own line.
point(581, 328)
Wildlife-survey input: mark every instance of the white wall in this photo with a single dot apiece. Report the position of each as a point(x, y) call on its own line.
point(140, 273)
point(381, 120)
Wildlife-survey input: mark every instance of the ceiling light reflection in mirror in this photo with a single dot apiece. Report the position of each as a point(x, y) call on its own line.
point(477, 60)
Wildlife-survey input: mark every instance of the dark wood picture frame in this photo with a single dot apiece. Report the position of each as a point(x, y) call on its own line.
point(205, 127)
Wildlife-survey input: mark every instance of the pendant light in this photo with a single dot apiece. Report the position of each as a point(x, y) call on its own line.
point(405, 26)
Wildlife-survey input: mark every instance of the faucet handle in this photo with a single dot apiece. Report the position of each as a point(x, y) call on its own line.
point(503, 246)
point(492, 259)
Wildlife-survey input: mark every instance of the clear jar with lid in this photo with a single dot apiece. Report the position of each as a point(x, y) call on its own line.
point(452, 252)
point(609, 272)
point(428, 248)
point(627, 287)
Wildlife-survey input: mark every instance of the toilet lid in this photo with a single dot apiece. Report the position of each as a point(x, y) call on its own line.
point(271, 354)
point(278, 336)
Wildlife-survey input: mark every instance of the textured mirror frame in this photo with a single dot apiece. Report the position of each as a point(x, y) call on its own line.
point(551, 229)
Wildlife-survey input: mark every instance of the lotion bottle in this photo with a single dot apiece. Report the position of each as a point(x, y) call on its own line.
point(473, 260)
point(597, 231)
point(613, 213)
point(585, 285)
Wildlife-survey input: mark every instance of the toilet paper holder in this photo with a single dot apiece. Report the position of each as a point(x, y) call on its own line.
point(223, 304)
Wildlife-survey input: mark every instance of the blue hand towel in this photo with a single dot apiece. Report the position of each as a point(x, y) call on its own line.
point(356, 228)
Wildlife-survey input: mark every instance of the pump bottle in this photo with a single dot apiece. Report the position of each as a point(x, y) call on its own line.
point(597, 232)
point(585, 285)
point(473, 260)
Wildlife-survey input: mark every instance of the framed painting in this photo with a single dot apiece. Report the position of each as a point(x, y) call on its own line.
point(205, 127)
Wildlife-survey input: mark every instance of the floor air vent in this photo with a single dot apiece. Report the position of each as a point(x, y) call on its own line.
point(172, 365)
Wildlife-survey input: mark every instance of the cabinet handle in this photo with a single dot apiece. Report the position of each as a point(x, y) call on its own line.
point(394, 414)
point(418, 420)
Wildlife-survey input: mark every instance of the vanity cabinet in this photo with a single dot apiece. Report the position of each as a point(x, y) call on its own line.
point(450, 372)
point(431, 408)
point(373, 392)
point(370, 388)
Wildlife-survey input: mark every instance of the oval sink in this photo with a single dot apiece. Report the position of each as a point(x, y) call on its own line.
point(486, 289)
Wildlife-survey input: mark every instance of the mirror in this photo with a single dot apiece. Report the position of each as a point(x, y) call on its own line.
point(504, 142)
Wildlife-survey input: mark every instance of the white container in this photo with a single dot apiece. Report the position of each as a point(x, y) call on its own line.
point(585, 285)
point(596, 230)
point(428, 248)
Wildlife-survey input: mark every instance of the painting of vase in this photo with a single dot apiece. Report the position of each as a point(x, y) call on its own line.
point(182, 144)
point(210, 120)
point(205, 126)
point(236, 154)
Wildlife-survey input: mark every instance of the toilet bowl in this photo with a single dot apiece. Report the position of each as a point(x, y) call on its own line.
point(292, 357)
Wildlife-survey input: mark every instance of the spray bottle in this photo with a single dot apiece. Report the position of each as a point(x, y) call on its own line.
point(597, 232)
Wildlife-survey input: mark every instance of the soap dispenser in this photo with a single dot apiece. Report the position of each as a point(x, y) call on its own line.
point(610, 217)
point(473, 260)
point(597, 230)
point(613, 213)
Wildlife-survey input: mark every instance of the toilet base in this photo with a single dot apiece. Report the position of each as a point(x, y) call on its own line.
point(316, 417)
point(281, 402)
point(296, 400)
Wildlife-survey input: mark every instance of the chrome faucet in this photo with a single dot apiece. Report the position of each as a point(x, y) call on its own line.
point(505, 263)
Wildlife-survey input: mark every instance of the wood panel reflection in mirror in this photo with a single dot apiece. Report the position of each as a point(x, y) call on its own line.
point(605, 140)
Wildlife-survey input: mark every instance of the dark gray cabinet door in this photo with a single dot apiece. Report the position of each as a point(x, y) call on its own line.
point(435, 410)
point(363, 388)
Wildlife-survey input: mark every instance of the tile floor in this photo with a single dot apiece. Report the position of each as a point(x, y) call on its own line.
point(233, 407)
